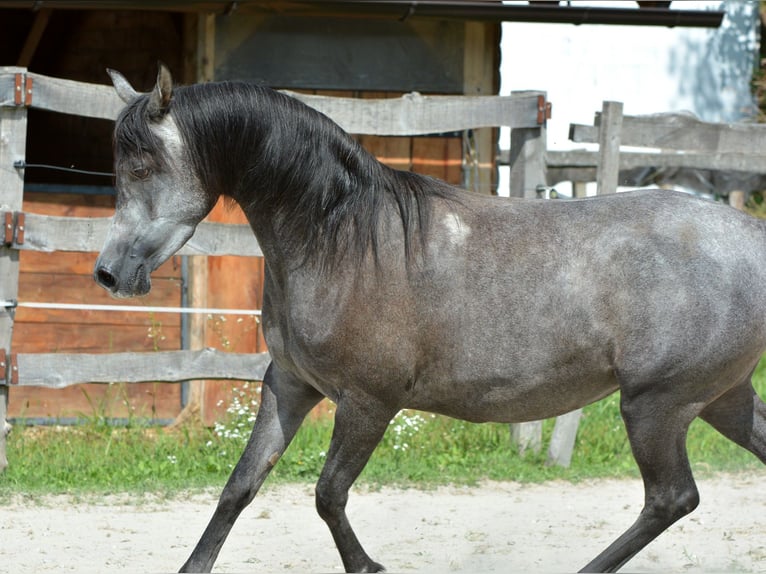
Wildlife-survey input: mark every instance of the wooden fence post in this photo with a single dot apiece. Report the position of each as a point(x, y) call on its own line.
point(527, 155)
point(608, 171)
point(13, 137)
point(737, 199)
point(199, 65)
point(527, 162)
point(563, 439)
point(527, 436)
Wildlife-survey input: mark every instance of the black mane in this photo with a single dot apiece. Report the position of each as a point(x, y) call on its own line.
point(274, 155)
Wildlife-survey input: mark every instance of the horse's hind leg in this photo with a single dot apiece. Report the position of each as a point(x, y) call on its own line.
point(360, 423)
point(657, 431)
point(740, 415)
point(285, 402)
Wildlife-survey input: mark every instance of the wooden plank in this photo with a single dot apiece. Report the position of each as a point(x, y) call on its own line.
point(13, 137)
point(480, 77)
point(393, 151)
point(412, 114)
point(68, 204)
point(609, 137)
point(439, 157)
point(59, 370)
point(415, 114)
point(79, 263)
point(119, 400)
point(87, 234)
point(81, 289)
point(34, 37)
point(65, 96)
point(103, 338)
point(563, 439)
point(527, 157)
point(200, 43)
point(580, 165)
point(681, 131)
point(722, 160)
point(527, 436)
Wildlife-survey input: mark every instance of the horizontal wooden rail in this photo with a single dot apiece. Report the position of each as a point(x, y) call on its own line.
point(675, 131)
point(87, 234)
point(414, 114)
point(60, 370)
point(631, 160)
point(411, 114)
point(64, 96)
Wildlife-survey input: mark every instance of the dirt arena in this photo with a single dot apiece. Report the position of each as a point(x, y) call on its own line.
point(499, 527)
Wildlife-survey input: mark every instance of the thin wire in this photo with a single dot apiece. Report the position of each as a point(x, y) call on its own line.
point(137, 308)
point(24, 165)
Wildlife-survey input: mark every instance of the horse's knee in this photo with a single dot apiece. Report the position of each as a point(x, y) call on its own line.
point(330, 503)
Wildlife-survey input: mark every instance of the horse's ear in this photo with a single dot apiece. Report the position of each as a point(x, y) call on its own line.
point(159, 99)
point(122, 86)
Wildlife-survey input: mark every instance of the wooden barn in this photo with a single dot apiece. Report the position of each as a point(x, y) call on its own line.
point(359, 49)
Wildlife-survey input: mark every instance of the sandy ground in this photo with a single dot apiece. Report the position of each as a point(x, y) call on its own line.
point(499, 527)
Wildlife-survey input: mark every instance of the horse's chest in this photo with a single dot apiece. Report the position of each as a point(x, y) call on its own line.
point(306, 336)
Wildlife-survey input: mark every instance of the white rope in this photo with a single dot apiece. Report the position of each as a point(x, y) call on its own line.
point(134, 308)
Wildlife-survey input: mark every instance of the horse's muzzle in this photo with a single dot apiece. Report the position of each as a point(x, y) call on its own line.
point(133, 284)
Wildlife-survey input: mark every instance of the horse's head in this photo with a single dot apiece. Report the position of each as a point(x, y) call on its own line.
point(160, 200)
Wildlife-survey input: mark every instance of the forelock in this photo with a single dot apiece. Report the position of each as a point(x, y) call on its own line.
point(133, 133)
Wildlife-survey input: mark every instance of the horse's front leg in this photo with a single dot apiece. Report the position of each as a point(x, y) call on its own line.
point(285, 401)
point(360, 422)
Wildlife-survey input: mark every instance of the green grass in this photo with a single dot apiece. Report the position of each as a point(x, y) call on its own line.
point(418, 448)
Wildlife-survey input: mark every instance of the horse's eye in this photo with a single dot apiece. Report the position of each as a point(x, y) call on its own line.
point(140, 172)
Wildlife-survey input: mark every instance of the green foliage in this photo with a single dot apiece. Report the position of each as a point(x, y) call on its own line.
point(418, 448)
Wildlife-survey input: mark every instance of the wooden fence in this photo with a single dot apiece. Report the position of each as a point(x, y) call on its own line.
point(676, 140)
point(524, 112)
point(666, 140)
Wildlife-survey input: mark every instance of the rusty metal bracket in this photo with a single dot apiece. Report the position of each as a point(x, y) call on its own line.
point(13, 227)
point(9, 368)
point(8, 227)
point(21, 219)
point(22, 89)
point(544, 109)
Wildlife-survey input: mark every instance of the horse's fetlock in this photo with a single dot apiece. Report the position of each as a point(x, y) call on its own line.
point(688, 502)
point(673, 506)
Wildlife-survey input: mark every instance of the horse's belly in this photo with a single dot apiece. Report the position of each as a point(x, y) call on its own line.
point(515, 398)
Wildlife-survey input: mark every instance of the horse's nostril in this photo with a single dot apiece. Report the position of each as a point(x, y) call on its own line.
point(105, 279)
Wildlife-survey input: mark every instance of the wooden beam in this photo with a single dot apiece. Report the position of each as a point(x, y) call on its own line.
point(59, 370)
point(480, 65)
point(34, 37)
point(609, 135)
point(13, 137)
point(87, 234)
point(203, 62)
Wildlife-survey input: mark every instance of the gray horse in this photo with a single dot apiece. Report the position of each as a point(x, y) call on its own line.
point(387, 290)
